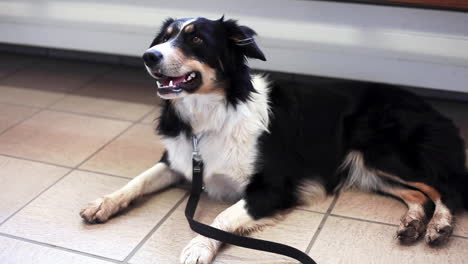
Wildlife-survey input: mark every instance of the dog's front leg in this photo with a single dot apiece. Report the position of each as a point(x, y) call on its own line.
point(156, 178)
point(235, 219)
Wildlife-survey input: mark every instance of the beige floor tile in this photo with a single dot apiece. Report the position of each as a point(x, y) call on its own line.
point(12, 114)
point(13, 251)
point(349, 241)
point(319, 204)
point(461, 224)
point(46, 81)
point(103, 107)
point(130, 154)
point(21, 181)
point(53, 217)
point(167, 242)
point(59, 138)
point(12, 62)
point(152, 117)
point(382, 209)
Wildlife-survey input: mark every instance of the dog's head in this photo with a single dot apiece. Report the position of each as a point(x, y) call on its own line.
point(202, 56)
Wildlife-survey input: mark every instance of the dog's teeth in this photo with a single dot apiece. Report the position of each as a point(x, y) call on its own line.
point(189, 78)
point(159, 84)
point(170, 83)
point(192, 75)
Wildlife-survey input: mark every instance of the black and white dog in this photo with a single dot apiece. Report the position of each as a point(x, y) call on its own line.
point(272, 148)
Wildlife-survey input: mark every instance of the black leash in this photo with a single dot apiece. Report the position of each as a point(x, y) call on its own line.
point(223, 236)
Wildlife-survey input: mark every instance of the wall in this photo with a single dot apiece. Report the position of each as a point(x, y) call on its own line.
point(414, 47)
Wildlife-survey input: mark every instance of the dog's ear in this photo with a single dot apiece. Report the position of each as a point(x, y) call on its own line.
point(243, 38)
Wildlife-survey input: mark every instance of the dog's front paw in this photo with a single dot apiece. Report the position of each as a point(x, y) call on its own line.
point(99, 210)
point(200, 250)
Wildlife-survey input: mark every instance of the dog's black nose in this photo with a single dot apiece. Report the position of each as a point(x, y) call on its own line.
point(152, 58)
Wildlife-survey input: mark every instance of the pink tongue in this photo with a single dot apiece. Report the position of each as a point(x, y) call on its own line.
point(175, 80)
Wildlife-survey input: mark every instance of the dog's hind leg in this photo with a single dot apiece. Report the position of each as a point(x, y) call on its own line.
point(413, 223)
point(153, 179)
point(440, 227)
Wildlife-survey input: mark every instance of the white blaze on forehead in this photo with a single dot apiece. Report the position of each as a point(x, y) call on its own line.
point(167, 48)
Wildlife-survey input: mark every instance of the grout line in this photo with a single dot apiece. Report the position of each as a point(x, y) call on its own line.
point(156, 227)
point(38, 161)
point(89, 115)
point(322, 223)
point(106, 174)
point(35, 197)
point(20, 121)
point(311, 211)
point(363, 220)
point(458, 236)
point(60, 248)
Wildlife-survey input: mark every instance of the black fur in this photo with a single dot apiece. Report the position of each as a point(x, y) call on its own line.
point(314, 127)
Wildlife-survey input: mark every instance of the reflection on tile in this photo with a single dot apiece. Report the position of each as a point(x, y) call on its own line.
point(59, 138)
point(123, 91)
point(349, 241)
point(53, 217)
point(12, 114)
point(18, 252)
point(9, 63)
point(54, 75)
point(21, 181)
point(130, 154)
point(46, 81)
point(102, 107)
point(383, 209)
point(167, 242)
point(369, 206)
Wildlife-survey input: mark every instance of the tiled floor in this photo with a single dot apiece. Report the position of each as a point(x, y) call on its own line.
point(73, 131)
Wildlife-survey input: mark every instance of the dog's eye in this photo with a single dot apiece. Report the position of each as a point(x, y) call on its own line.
point(197, 40)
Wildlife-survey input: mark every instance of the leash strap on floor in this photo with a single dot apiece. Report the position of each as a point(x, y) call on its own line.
point(226, 237)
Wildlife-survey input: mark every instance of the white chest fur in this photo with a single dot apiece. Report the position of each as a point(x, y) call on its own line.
point(228, 144)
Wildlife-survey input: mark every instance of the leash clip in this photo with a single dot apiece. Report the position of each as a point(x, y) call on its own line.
point(196, 151)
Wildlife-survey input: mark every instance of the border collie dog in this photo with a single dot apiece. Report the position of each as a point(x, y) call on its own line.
point(272, 148)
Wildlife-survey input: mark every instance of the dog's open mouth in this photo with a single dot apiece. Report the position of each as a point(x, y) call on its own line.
point(175, 85)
